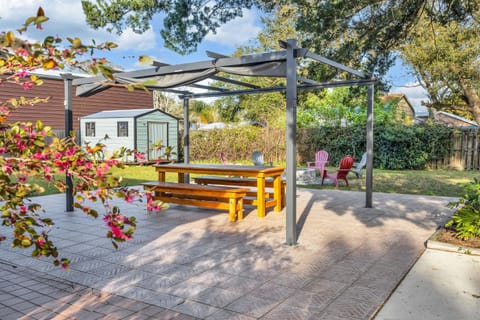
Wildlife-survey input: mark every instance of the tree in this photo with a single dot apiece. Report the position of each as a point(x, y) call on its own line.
point(446, 60)
point(265, 108)
point(202, 113)
point(25, 153)
point(343, 106)
point(361, 34)
point(167, 104)
point(186, 22)
point(365, 34)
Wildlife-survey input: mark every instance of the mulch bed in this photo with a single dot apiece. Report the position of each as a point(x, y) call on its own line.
point(448, 236)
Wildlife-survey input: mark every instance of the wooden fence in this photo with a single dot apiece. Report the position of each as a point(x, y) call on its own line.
point(464, 152)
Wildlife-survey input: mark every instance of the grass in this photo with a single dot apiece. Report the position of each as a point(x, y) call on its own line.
point(426, 182)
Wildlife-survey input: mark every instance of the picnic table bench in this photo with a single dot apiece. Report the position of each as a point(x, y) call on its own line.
point(216, 197)
point(260, 173)
point(237, 181)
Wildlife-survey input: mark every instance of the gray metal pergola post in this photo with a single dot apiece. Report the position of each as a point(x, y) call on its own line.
point(186, 135)
point(67, 79)
point(291, 137)
point(369, 177)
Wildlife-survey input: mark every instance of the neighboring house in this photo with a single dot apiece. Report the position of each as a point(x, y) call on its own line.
point(53, 112)
point(405, 112)
point(421, 116)
point(454, 120)
point(135, 129)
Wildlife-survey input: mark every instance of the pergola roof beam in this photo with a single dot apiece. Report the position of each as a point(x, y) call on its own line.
point(209, 64)
point(201, 86)
point(319, 85)
point(336, 65)
point(307, 81)
point(159, 64)
point(215, 55)
point(87, 80)
point(236, 82)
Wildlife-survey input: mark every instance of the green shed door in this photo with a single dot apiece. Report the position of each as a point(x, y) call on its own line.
point(156, 131)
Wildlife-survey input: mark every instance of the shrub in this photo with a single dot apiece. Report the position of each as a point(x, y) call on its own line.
point(396, 146)
point(466, 220)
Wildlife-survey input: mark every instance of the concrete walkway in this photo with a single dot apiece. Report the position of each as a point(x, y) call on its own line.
point(191, 263)
point(441, 285)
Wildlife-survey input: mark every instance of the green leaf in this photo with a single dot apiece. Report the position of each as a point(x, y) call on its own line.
point(145, 60)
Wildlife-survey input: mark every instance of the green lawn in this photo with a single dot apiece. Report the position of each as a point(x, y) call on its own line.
point(427, 182)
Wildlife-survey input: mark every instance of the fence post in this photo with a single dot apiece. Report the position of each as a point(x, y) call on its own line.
point(476, 159)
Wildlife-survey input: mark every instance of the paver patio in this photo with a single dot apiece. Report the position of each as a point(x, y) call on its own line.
point(191, 263)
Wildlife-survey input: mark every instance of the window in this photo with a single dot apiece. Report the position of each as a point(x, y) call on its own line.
point(122, 129)
point(90, 129)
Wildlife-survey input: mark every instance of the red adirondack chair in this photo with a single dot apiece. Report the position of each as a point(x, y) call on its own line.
point(321, 159)
point(346, 165)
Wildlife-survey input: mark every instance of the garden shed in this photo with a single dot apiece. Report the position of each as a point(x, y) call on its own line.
point(138, 129)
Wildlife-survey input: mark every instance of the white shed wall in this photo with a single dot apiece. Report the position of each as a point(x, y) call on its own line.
point(108, 126)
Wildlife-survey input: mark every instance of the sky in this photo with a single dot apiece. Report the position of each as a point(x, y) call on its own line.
point(67, 19)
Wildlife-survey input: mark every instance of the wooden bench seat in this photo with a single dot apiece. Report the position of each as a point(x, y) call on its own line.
point(246, 182)
point(216, 197)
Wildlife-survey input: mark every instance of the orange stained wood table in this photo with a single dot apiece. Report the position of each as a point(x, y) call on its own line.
point(258, 172)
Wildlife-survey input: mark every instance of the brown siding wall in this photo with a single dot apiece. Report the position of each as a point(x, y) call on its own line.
point(53, 112)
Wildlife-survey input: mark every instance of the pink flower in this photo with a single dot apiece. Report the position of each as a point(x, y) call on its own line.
point(40, 241)
point(21, 145)
point(139, 156)
point(22, 52)
point(28, 85)
point(22, 73)
point(47, 173)
point(40, 156)
point(70, 152)
point(7, 169)
point(118, 233)
point(111, 162)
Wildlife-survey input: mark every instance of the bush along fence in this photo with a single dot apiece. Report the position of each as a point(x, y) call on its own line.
point(396, 147)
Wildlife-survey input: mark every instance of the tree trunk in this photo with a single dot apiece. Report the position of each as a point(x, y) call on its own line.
point(472, 98)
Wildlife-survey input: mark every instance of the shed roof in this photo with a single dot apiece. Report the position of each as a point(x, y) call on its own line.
point(468, 123)
point(128, 113)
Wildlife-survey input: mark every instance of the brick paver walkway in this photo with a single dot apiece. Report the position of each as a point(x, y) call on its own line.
point(191, 263)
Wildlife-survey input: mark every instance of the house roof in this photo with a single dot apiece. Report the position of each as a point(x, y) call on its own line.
point(391, 96)
point(128, 113)
point(458, 118)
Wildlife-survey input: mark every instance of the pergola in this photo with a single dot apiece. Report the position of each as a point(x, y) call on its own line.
point(179, 78)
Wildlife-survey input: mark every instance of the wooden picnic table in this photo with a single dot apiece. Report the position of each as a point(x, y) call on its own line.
point(258, 172)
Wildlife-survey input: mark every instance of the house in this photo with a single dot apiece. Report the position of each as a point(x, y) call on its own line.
point(453, 120)
point(52, 113)
point(134, 129)
point(405, 112)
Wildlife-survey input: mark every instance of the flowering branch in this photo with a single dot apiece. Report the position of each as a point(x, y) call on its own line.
point(25, 153)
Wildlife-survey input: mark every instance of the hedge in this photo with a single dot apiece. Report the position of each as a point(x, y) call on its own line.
point(395, 146)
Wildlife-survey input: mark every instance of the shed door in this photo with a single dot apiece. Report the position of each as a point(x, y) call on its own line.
point(157, 132)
